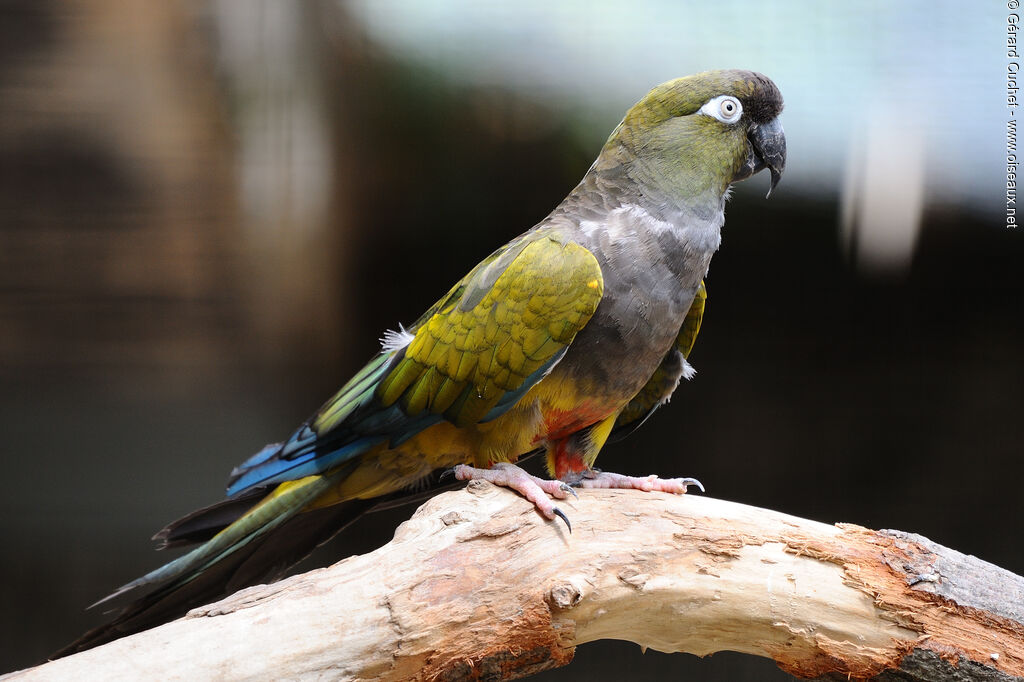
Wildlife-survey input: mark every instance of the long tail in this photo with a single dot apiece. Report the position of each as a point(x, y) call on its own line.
point(248, 539)
point(257, 538)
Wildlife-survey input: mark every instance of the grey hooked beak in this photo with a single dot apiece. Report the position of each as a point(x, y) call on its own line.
point(767, 150)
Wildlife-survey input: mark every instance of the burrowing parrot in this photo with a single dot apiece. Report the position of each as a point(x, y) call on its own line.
point(577, 328)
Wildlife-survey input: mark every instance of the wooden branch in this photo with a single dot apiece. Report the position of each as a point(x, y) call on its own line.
point(477, 585)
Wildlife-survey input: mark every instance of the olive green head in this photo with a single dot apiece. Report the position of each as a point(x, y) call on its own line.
point(701, 133)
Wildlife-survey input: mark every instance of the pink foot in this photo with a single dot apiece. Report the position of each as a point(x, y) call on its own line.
point(605, 479)
point(534, 489)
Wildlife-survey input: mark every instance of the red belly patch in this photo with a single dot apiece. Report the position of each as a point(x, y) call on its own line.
point(565, 459)
point(559, 424)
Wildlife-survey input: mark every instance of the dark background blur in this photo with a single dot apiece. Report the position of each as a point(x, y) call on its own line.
point(210, 212)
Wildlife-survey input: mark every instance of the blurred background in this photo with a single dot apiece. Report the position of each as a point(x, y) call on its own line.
point(209, 212)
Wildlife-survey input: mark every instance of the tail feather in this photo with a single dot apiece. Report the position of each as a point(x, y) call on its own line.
point(287, 500)
point(264, 560)
point(260, 546)
point(203, 524)
point(242, 547)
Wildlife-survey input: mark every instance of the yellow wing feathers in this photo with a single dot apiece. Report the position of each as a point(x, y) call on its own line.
point(475, 349)
point(691, 325)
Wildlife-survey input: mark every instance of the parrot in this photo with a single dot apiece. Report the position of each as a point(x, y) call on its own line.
point(575, 331)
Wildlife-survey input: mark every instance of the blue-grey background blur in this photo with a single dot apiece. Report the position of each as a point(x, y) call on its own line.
point(210, 212)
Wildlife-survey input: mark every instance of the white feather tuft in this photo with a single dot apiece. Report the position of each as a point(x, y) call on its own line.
point(392, 340)
point(688, 370)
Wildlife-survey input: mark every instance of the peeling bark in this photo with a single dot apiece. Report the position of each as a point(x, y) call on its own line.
point(476, 585)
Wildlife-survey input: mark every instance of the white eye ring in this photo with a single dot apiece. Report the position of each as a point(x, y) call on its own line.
point(725, 108)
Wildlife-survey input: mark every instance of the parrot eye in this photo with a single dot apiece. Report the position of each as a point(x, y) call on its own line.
point(725, 108)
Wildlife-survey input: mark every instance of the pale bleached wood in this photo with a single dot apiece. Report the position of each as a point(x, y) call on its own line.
point(476, 584)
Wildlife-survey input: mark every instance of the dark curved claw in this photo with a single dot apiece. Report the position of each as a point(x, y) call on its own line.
point(566, 488)
point(446, 474)
point(561, 514)
point(692, 481)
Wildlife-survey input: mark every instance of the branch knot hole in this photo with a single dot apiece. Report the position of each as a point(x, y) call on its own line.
point(565, 595)
point(452, 518)
point(479, 487)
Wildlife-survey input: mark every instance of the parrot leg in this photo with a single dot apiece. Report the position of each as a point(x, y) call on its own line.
point(596, 478)
point(535, 489)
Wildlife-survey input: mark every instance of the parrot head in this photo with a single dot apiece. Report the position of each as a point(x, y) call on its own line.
point(700, 134)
